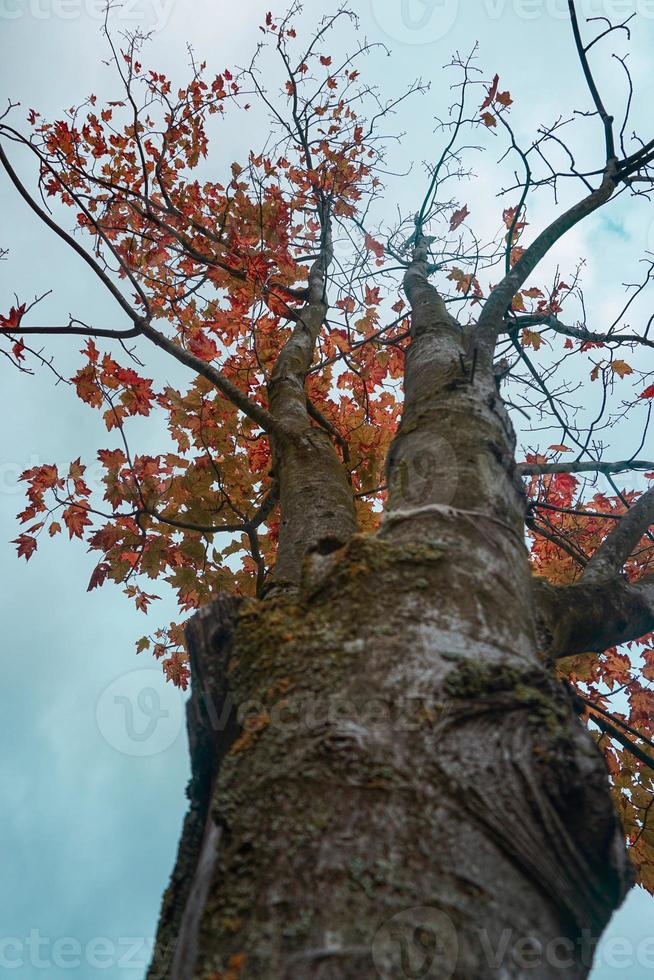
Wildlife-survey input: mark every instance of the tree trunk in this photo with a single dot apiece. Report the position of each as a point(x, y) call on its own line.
point(406, 791)
point(397, 768)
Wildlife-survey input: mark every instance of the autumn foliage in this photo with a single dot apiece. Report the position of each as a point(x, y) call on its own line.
point(214, 271)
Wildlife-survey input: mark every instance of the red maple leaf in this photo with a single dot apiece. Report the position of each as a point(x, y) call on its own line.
point(12, 322)
point(491, 93)
point(374, 246)
point(459, 217)
point(26, 546)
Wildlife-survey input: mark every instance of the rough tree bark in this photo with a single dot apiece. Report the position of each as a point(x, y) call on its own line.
point(404, 758)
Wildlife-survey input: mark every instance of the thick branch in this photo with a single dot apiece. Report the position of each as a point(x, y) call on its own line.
point(590, 617)
point(223, 384)
point(619, 544)
point(286, 389)
point(316, 499)
point(428, 310)
point(322, 420)
point(499, 301)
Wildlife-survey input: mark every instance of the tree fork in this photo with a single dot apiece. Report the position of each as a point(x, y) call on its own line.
point(407, 746)
point(408, 750)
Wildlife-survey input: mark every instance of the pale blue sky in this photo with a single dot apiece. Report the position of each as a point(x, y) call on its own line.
point(89, 831)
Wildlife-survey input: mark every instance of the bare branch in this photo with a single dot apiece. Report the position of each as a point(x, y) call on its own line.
point(580, 333)
point(622, 466)
point(607, 120)
point(75, 331)
point(614, 732)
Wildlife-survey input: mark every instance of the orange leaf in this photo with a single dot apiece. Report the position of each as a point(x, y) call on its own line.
point(621, 368)
point(76, 519)
point(374, 246)
point(202, 346)
point(531, 338)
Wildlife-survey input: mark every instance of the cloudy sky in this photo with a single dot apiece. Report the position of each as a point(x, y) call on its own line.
point(94, 759)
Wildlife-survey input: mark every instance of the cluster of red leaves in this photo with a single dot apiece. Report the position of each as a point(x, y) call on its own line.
point(12, 320)
point(619, 680)
point(222, 265)
point(495, 100)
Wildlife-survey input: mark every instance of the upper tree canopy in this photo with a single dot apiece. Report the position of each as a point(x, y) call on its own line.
point(281, 288)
